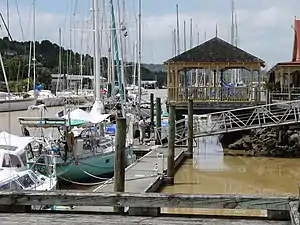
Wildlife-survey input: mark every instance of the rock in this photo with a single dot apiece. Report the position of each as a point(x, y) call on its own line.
point(282, 141)
point(237, 145)
point(247, 139)
point(294, 138)
point(272, 135)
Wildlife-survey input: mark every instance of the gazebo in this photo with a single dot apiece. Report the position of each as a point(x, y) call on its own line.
point(201, 72)
point(285, 76)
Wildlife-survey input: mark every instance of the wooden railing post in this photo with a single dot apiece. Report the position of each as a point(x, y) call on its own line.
point(190, 129)
point(119, 167)
point(158, 121)
point(171, 145)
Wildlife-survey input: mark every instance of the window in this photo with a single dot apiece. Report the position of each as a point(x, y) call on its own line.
point(34, 177)
point(6, 161)
point(23, 158)
point(26, 181)
point(15, 162)
point(15, 186)
point(5, 187)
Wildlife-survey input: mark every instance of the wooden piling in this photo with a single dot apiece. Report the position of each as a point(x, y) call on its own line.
point(119, 166)
point(190, 129)
point(171, 145)
point(158, 121)
point(152, 109)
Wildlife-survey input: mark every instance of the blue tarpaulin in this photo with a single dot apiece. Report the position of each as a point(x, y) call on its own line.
point(39, 87)
point(111, 129)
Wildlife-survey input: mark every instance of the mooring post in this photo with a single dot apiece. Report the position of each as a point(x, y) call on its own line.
point(171, 145)
point(119, 169)
point(190, 129)
point(158, 121)
point(152, 109)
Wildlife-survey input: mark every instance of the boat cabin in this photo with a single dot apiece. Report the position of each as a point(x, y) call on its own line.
point(18, 180)
point(13, 151)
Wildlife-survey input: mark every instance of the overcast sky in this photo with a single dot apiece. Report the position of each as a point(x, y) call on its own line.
point(264, 26)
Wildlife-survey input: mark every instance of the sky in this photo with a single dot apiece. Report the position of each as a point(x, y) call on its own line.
point(264, 26)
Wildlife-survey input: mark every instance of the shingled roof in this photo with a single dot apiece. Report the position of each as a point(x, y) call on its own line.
point(216, 50)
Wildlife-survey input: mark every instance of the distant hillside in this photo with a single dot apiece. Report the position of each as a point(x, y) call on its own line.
point(16, 54)
point(155, 67)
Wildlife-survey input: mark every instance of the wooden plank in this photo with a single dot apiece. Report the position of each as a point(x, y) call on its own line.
point(67, 198)
point(72, 219)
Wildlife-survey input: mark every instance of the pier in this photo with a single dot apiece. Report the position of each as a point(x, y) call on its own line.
point(143, 176)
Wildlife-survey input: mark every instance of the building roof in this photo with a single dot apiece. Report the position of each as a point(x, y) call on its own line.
point(295, 53)
point(216, 50)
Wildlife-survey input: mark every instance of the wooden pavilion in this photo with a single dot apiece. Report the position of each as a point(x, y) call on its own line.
point(284, 77)
point(200, 73)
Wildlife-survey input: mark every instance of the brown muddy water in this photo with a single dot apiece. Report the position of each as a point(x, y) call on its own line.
point(210, 172)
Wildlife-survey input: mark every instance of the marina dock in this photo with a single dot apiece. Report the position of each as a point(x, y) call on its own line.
point(144, 175)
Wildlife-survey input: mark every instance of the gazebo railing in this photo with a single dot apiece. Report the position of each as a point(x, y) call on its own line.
point(213, 94)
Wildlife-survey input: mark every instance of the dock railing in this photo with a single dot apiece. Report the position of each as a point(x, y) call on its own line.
point(273, 204)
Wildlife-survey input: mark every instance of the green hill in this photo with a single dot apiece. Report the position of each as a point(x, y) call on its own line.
point(16, 54)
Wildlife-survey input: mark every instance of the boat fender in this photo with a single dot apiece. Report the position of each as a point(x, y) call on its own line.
point(71, 141)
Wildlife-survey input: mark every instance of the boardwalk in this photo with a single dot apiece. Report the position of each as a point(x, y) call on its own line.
point(141, 176)
point(71, 219)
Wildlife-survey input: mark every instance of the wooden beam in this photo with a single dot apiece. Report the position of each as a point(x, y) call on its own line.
point(67, 198)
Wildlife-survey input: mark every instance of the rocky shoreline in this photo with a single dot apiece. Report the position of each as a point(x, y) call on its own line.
point(281, 141)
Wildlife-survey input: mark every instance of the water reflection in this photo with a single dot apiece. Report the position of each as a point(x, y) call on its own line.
point(208, 154)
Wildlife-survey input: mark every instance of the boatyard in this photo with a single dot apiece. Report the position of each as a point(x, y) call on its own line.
point(212, 136)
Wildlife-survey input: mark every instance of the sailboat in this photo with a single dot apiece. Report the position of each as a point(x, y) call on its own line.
point(83, 150)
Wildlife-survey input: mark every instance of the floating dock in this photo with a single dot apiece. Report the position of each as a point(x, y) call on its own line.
point(144, 175)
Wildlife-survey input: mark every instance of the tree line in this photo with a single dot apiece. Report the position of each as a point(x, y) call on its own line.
point(15, 55)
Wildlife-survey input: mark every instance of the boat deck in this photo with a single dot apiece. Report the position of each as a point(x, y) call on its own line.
point(144, 175)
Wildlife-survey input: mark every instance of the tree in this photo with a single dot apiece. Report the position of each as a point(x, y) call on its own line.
point(44, 77)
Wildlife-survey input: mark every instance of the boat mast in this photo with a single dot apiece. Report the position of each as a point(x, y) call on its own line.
point(191, 33)
point(139, 57)
point(7, 14)
point(96, 50)
point(4, 74)
point(34, 37)
point(184, 36)
point(232, 41)
point(59, 61)
point(81, 60)
point(178, 38)
point(134, 63)
point(29, 64)
point(123, 63)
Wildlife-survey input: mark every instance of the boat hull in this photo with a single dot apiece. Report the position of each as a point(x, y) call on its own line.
point(16, 104)
point(101, 166)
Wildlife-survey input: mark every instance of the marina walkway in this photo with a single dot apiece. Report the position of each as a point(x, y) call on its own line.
point(277, 114)
point(144, 175)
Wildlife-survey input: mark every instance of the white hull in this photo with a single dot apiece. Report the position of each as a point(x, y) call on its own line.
point(16, 104)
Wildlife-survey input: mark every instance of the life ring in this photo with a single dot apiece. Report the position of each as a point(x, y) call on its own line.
point(71, 141)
